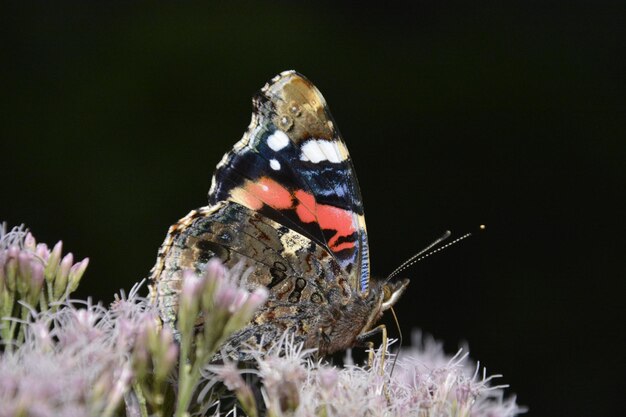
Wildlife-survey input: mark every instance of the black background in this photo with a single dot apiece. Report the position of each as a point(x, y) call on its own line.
point(509, 114)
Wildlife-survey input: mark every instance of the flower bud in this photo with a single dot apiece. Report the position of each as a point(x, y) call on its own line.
point(256, 299)
point(52, 264)
point(189, 300)
point(215, 269)
point(11, 273)
point(60, 283)
point(24, 270)
point(192, 287)
point(243, 315)
point(42, 251)
point(29, 242)
point(165, 354)
point(36, 282)
point(225, 297)
point(239, 301)
point(214, 277)
point(76, 273)
point(13, 252)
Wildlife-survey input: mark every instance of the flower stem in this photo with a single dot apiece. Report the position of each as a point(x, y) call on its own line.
point(141, 399)
point(184, 390)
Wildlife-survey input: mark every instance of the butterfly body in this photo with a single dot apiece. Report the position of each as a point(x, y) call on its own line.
point(285, 203)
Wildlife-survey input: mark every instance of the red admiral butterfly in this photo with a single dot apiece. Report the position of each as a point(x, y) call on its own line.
point(285, 202)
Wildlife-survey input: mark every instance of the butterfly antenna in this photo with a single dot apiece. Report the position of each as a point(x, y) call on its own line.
point(427, 251)
point(415, 257)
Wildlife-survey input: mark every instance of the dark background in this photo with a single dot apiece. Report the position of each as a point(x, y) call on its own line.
point(511, 115)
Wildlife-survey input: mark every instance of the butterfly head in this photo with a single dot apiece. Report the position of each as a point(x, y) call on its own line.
point(381, 297)
point(392, 292)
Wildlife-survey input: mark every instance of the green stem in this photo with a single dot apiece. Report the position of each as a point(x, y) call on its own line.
point(43, 304)
point(10, 345)
point(184, 392)
point(5, 312)
point(24, 316)
point(190, 375)
point(141, 399)
point(155, 394)
point(184, 375)
point(50, 295)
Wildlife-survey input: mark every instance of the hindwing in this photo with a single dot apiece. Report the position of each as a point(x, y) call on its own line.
point(289, 264)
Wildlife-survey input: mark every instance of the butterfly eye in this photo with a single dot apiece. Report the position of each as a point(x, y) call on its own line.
point(386, 293)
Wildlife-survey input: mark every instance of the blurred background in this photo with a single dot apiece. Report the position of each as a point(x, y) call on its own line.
point(509, 114)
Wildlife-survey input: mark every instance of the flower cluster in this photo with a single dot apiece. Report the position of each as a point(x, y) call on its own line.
point(224, 305)
point(74, 361)
point(437, 384)
point(423, 382)
point(91, 360)
point(80, 359)
point(31, 275)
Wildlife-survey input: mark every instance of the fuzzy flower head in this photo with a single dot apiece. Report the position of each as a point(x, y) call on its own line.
point(283, 371)
point(428, 380)
point(70, 362)
point(425, 383)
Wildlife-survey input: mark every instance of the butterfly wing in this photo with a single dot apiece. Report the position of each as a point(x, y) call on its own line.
point(284, 203)
point(293, 167)
point(305, 280)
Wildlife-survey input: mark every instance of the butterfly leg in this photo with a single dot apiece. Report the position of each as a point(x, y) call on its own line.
point(323, 343)
point(370, 360)
point(361, 340)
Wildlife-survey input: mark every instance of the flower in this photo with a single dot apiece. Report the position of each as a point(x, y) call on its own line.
point(80, 358)
point(437, 384)
point(283, 372)
point(31, 275)
point(425, 382)
point(231, 376)
point(154, 356)
point(67, 365)
point(225, 305)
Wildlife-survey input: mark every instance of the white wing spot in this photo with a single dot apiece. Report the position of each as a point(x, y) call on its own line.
point(277, 140)
point(317, 150)
point(274, 164)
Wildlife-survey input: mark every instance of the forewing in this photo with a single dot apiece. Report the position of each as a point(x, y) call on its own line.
point(293, 167)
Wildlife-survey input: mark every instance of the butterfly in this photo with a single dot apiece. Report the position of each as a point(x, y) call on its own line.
point(285, 203)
